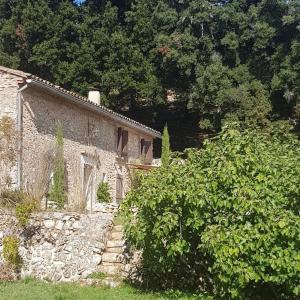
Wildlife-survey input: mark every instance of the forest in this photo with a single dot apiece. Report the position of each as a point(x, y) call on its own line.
point(192, 64)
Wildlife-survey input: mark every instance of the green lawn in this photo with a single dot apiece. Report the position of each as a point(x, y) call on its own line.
point(29, 289)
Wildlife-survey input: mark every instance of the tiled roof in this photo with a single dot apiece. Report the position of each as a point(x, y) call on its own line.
point(98, 108)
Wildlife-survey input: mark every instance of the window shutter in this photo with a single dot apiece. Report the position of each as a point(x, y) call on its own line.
point(142, 150)
point(119, 141)
point(124, 143)
point(148, 152)
point(116, 139)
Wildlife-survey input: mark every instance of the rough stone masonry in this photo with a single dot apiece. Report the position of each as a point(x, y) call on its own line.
point(60, 246)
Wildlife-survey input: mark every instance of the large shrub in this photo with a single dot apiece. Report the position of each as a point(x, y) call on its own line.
point(103, 192)
point(225, 219)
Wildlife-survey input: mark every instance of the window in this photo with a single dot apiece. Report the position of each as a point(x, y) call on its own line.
point(104, 177)
point(122, 142)
point(88, 180)
point(146, 151)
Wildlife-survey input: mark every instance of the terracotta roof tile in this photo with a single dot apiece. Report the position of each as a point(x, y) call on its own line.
point(79, 97)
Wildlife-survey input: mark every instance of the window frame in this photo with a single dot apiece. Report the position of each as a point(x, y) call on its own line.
point(122, 138)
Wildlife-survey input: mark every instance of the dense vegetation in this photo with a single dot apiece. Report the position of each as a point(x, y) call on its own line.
point(188, 62)
point(225, 219)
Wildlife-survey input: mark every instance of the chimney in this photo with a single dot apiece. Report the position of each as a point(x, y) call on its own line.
point(94, 96)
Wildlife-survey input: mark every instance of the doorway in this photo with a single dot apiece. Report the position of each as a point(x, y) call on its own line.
point(88, 181)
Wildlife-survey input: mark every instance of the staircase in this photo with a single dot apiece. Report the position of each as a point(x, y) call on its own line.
point(117, 264)
point(114, 259)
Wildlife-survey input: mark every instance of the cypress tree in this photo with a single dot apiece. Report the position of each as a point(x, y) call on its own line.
point(57, 192)
point(165, 151)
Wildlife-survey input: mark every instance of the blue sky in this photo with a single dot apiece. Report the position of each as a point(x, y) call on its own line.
point(79, 1)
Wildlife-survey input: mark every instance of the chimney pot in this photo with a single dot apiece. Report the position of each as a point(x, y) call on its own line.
point(94, 96)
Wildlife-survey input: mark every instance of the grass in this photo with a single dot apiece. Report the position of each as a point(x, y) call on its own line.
point(30, 289)
point(97, 275)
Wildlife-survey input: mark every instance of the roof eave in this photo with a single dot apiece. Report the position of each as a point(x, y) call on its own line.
point(95, 108)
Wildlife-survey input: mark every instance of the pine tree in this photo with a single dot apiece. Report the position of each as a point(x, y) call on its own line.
point(57, 192)
point(165, 151)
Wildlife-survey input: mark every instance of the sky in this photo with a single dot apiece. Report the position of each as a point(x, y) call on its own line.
point(79, 1)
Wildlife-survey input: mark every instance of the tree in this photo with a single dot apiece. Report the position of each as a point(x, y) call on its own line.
point(225, 219)
point(221, 94)
point(57, 190)
point(221, 60)
point(165, 151)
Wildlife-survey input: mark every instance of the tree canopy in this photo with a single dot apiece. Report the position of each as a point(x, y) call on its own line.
point(213, 60)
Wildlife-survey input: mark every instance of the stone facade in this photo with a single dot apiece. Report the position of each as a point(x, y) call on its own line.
point(41, 115)
point(60, 246)
point(90, 150)
point(9, 85)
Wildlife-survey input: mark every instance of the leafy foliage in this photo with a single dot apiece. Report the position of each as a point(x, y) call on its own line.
point(165, 152)
point(226, 219)
point(57, 191)
point(222, 60)
point(11, 251)
point(103, 192)
point(23, 212)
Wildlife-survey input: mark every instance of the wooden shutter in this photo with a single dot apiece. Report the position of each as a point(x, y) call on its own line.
point(148, 152)
point(124, 143)
point(142, 152)
point(119, 141)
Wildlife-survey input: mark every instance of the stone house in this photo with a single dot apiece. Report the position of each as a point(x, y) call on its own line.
point(99, 144)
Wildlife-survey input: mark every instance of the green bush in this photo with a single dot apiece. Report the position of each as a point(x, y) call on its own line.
point(226, 219)
point(103, 193)
point(23, 212)
point(11, 251)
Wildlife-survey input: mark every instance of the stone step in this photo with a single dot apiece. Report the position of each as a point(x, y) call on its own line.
point(115, 243)
point(111, 282)
point(116, 236)
point(117, 228)
point(115, 249)
point(112, 257)
point(112, 269)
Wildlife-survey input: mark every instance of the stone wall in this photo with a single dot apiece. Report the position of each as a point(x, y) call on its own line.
point(8, 107)
point(87, 135)
point(89, 139)
point(60, 246)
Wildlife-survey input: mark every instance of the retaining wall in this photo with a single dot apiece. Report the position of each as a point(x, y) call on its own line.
point(60, 246)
